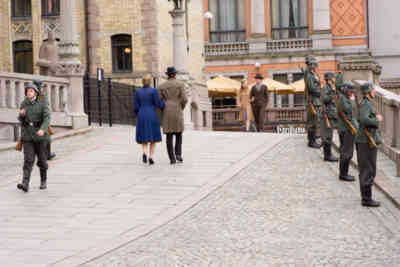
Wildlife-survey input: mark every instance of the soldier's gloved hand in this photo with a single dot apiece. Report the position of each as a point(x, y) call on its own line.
point(40, 133)
point(22, 112)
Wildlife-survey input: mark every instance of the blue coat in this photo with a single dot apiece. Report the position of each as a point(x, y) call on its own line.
point(147, 122)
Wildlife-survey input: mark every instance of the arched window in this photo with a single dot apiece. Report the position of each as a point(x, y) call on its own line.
point(21, 8)
point(289, 19)
point(50, 8)
point(121, 53)
point(23, 57)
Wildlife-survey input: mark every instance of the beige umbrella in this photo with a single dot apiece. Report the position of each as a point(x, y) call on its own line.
point(278, 87)
point(298, 87)
point(223, 86)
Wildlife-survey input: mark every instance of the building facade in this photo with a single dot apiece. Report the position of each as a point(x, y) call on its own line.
point(127, 39)
point(272, 37)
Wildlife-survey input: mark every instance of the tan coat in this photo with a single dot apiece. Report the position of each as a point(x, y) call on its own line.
point(172, 92)
point(244, 104)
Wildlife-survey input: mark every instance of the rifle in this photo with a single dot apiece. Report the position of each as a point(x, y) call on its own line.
point(353, 130)
point(371, 140)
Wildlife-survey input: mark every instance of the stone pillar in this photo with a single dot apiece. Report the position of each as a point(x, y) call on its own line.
point(257, 41)
point(322, 36)
point(179, 49)
point(36, 32)
point(71, 67)
point(360, 68)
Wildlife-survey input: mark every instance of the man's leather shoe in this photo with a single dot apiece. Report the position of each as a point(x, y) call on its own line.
point(173, 161)
point(370, 203)
point(347, 178)
point(51, 156)
point(179, 158)
point(23, 187)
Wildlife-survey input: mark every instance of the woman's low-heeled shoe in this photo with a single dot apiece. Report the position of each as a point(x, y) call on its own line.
point(144, 158)
point(151, 161)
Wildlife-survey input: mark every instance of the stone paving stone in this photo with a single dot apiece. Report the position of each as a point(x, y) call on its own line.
point(99, 190)
point(286, 210)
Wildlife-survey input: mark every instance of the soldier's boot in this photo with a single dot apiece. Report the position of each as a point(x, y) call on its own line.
point(43, 179)
point(344, 172)
point(311, 140)
point(50, 155)
point(367, 200)
point(328, 153)
point(24, 186)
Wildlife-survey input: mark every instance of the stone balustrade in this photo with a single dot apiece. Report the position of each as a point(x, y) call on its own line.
point(387, 104)
point(12, 93)
point(289, 44)
point(222, 49)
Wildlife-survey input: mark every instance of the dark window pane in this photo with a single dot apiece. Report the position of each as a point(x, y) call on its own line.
point(121, 53)
point(21, 8)
point(289, 19)
point(229, 21)
point(50, 7)
point(23, 57)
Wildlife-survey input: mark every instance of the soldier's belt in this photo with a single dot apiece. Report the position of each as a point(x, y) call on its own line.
point(34, 123)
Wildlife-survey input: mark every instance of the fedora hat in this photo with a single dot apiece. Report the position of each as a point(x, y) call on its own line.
point(259, 76)
point(171, 70)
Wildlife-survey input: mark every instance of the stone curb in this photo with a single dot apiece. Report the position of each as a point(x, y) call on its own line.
point(219, 180)
point(382, 182)
point(69, 133)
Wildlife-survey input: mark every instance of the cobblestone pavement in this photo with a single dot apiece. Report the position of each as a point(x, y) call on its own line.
point(100, 195)
point(286, 209)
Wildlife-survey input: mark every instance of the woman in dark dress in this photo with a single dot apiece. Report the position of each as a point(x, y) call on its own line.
point(147, 122)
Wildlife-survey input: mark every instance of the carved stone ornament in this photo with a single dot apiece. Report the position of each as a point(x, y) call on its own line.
point(360, 64)
point(21, 30)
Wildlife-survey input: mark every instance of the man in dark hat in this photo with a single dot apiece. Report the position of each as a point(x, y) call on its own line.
point(259, 101)
point(34, 116)
point(347, 128)
point(172, 92)
point(328, 116)
point(43, 97)
point(367, 139)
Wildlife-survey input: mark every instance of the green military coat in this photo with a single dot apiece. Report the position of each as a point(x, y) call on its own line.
point(348, 106)
point(329, 100)
point(314, 88)
point(369, 121)
point(37, 112)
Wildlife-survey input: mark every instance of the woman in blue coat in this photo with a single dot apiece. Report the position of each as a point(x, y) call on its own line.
point(147, 123)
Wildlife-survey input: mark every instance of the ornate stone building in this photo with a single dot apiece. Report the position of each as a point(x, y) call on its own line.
point(272, 37)
point(127, 38)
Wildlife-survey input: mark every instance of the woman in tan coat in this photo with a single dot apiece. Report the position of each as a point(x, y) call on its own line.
point(246, 113)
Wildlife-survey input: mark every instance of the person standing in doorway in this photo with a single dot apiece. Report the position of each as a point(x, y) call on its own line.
point(172, 92)
point(367, 140)
point(147, 123)
point(246, 114)
point(259, 101)
point(34, 116)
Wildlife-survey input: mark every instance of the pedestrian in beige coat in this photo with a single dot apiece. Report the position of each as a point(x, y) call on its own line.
point(172, 92)
point(246, 113)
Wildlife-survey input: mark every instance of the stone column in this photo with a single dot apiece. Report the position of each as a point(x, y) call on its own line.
point(322, 36)
point(179, 50)
point(72, 68)
point(257, 42)
point(36, 32)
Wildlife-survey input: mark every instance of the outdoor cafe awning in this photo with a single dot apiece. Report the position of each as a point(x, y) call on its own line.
point(223, 86)
point(298, 87)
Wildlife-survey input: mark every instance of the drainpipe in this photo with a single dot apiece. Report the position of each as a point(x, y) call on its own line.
point(368, 33)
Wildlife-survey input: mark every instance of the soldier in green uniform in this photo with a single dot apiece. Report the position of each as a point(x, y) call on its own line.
point(43, 97)
point(328, 116)
point(347, 128)
point(313, 104)
point(34, 116)
point(367, 140)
